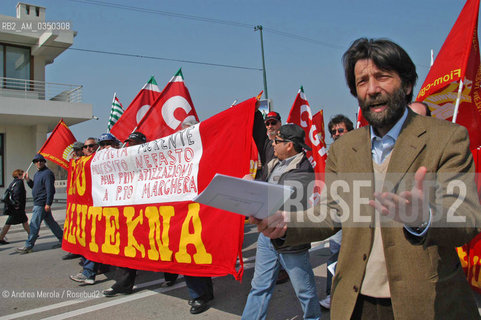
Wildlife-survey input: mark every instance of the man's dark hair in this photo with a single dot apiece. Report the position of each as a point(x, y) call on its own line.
point(386, 55)
point(428, 111)
point(340, 118)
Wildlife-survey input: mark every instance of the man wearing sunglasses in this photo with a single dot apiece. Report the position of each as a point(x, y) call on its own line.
point(339, 125)
point(290, 167)
point(273, 123)
point(107, 140)
point(90, 146)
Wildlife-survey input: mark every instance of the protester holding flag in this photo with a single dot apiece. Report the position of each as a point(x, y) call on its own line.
point(403, 217)
point(43, 190)
point(16, 210)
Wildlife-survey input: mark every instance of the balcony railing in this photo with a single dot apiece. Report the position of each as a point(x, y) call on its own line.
point(40, 90)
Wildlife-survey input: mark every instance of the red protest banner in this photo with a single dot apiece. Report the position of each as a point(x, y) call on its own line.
point(132, 207)
point(58, 147)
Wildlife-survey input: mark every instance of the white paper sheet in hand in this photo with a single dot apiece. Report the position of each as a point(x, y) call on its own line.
point(249, 198)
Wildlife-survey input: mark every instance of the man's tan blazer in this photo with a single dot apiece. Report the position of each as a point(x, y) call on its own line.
point(425, 276)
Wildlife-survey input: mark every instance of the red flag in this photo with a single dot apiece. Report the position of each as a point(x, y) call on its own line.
point(172, 106)
point(361, 121)
point(458, 60)
point(301, 115)
point(318, 121)
point(136, 110)
point(58, 147)
point(134, 208)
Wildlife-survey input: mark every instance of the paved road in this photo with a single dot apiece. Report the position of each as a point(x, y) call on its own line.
point(37, 286)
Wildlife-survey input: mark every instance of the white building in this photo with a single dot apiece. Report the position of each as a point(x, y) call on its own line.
point(30, 108)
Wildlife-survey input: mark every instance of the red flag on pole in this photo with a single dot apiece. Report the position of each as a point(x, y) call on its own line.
point(301, 115)
point(361, 121)
point(136, 110)
point(169, 110)
point(318, 121)
point(58, 147)
point(454, 78)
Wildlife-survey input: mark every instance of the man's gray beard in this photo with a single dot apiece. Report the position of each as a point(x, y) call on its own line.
point(396, 104)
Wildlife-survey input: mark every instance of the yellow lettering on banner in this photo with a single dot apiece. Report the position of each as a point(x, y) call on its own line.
point(71, 230)
point(463, 256)
point(81, 221)
point(95, 214)
point(156, 238)
point(112, 234)
point(201, 256)
point(78, 180)
point(475, 282)
point(66, 223)
point(132, 244)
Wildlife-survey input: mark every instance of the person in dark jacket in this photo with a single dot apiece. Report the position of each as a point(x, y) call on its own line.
point(290, 167)
point(17, 211)
point(43, 190)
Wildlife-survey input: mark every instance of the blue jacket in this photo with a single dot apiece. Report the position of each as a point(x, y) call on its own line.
point(43, 187)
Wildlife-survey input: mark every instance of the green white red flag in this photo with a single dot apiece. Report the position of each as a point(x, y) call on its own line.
point(59, 146)
point(456, 76)
point(169, 110)
point(115, 113)
point(141, 104)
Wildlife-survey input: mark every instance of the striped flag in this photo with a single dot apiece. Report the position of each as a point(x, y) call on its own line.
point(115, 113)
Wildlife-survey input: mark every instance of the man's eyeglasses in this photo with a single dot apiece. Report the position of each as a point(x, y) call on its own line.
point(93, 145)
point(277, 141)
point(106, 143)
point(271, 123)
point(333, 131)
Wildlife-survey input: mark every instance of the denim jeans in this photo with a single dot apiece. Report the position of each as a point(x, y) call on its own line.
point(38, 215)
point(268, 262)
point(90, 269)
point(334, 247)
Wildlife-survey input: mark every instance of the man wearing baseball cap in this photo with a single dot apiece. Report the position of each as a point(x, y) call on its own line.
point(135, 138)
point(273, 123)
point(43, 190)
point(291, 167)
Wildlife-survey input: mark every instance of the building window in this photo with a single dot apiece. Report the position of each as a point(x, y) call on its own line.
point(15, 64)
point(2, 152)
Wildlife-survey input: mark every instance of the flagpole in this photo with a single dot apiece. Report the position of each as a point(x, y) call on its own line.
point(458, 100)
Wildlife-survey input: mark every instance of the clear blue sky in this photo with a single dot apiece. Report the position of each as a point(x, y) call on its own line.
point(158, 30)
